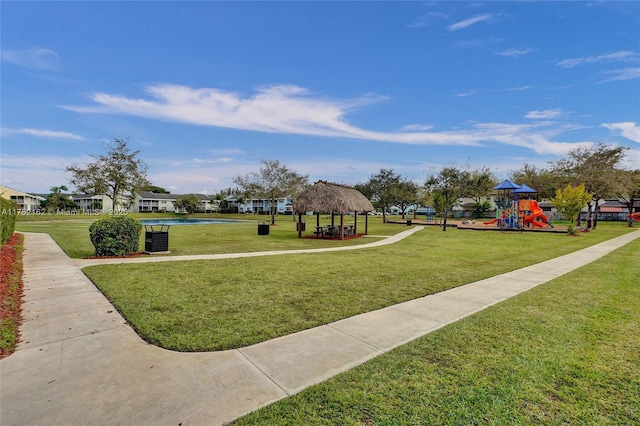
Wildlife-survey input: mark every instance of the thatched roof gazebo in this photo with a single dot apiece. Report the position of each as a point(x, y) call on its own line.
point(328, 197)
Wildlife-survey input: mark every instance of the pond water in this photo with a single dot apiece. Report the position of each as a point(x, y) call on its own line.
point(186, 221)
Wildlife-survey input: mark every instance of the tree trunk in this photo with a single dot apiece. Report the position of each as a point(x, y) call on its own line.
point(629, 206)
point(273, 212)
point(444, 222)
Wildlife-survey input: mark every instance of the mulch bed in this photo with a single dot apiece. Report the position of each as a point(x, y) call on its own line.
point(11, 292)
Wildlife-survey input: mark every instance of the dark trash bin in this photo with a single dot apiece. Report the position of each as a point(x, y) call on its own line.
point(301, 226)
point(263, 228)
point(408, 222)
point(156, 240)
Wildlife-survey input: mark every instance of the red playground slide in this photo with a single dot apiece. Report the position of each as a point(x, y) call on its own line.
point(635, 216)
point(536, 218)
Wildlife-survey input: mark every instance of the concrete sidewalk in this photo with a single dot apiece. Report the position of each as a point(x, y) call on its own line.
point(80, 363)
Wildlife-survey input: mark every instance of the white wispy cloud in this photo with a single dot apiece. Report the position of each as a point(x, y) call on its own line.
point(417, 127)
point(538, 137)
point(628, 129)
point(509, 89)
point(622, 74)
point(43, 133)
point(545, 114)
point(33, 173)
point(227, 151)
point(427, 20)
point(292, 110)
point(519, 88)
point(470, 21)
point(632, 159)
point(513, 52)
point(465, 94)
point(622, 55)
point(273, 109)
point(36, 58)
point(217, 160)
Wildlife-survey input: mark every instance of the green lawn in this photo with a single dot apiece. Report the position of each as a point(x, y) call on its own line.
point(564, 353)
point(73, 235)
point(222, 304)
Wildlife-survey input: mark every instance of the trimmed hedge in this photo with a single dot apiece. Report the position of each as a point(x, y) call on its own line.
point(8, 219)
point(115, 236)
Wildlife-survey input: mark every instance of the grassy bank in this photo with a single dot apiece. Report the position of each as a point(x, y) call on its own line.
point(213, 305)
point(241, 236)
point(566, 352)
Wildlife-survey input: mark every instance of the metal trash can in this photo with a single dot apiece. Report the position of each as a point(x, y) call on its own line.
point(263, 228)
point(408, 222)
point(301, 226)
point(156, 240)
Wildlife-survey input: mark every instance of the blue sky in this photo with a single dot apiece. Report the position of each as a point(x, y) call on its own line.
point(335, 90)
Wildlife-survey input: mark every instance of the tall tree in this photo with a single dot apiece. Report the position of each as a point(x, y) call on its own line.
point(481, 183)
point(382, 190)
point(272, 181)
point(629, 190)
point(57, 199)
point(113, 174)
point(407, 194)
point(188, 203)
point(449, 185)
point(597, 167)
point(569, 201)
point(439, 204)
point(542, 180)
point(423, 198)
point(155, 189)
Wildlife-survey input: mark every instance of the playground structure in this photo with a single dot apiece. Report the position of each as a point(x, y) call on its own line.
point(514, 211)
point(635, 216)
point(535, 217)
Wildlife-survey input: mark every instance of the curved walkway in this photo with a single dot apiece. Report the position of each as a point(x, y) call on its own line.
point(80, 363)
point(82, 263)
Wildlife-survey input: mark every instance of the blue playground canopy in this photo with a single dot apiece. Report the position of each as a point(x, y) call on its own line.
point(524, 189)
point(506, 184)
point(519, 189)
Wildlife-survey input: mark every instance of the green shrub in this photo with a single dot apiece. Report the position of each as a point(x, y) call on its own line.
point(8, 219)
point(115, 235)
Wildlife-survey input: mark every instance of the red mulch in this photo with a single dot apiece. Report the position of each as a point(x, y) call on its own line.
point(10, 293)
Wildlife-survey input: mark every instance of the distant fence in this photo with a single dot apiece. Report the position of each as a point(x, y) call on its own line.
point(608, 216)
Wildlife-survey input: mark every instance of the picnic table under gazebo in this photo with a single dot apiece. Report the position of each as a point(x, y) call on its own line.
point(332, 198)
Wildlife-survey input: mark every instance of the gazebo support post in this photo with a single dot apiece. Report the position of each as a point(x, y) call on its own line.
point(355, 224)
point(342, 226)
point(366, 224)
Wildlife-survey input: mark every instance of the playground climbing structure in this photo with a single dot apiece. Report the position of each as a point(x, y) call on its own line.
point(515, 208)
